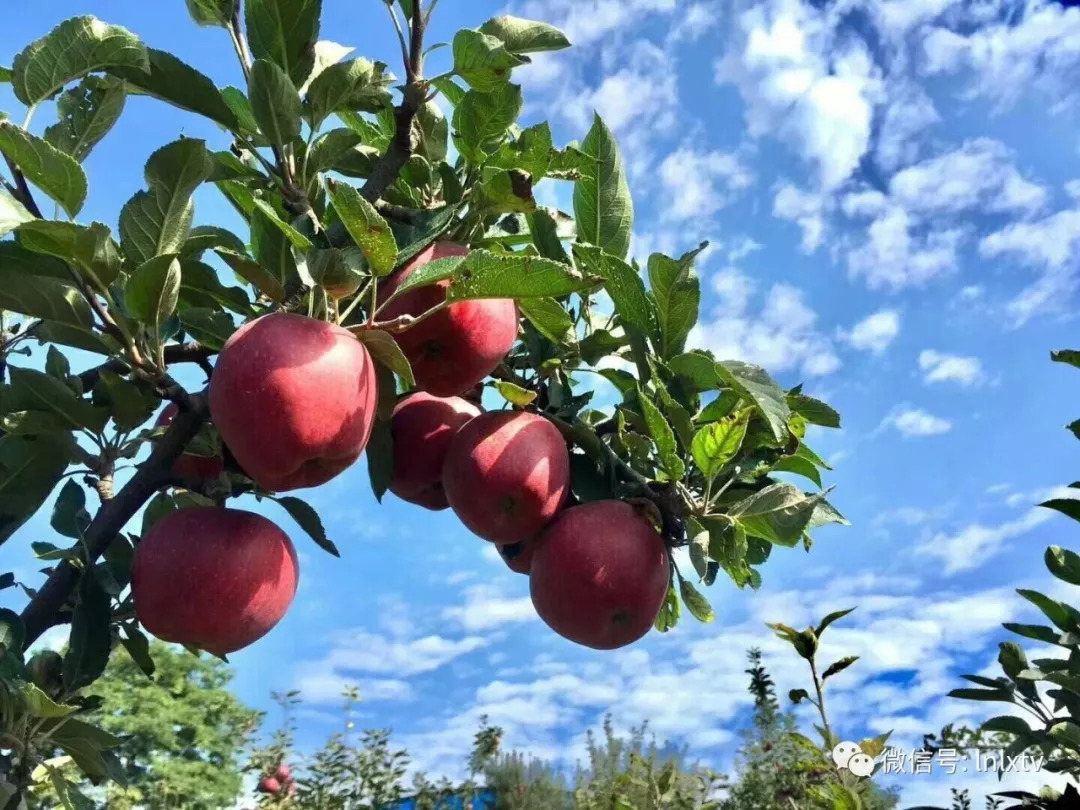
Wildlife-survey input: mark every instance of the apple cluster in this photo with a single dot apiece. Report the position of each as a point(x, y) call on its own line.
point(295, 400)
point(278, 783)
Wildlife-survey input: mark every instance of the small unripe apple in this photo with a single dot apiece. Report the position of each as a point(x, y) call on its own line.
point(269, 785)
point(600, 573)
point(214, 578)
point(294, 399)
point(190, 465)
point(456, 348)
point(283, 773)
point(422, 427)
point(518, 556)
point(507, 474)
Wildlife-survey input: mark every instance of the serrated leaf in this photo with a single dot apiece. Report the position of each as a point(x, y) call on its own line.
point(88, 248)
point(718, 443)
point(799, 466)
point(56, 173)
point(87, 112)
point(670, 611)
point(211, 12)
point(813, 410)
point(90, 641)
point(453, 92)
point(484, 274)
point(550, 319)
point(201, 287)
point(622, 283)
point(208, 326)
point(839, 666)
point(253, 273)
point(153, 291)
point(514, 394)
point(603, 208)
point(482, 119)
point(76, 47)
point(677, 291)
point(780, 513)
point(483, 61)
point(34, 390)
point(42, 706)
point(308, 520)
point(525, 36)
point(356, 85)
point(365, 225)
point(45, 298)
point(434, 131)
point(386, 351)
point(275, 102)
point(176, 82)
point(327, 53)
point(272, 218)
point(284, 32)
point(663, 436)
point(546, 237)
point(697, 604)
point(757, 386)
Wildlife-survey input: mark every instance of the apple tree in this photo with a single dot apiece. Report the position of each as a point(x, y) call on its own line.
point(397, 292)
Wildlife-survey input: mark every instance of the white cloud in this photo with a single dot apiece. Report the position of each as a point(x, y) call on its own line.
point(740, 247)
point(806, 209)
point(941, 367)
point(916, 422)
point(895, 255)
point(321, 687)
point(699, 184)
point(975, 544)
point(783, 336)
point(876, 332)
point(908, 112)
point(586, 21)
point(487, 607)
point(696, 20)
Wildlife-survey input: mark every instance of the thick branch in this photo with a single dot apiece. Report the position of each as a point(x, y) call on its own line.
point(41, 613)
point(386, 170)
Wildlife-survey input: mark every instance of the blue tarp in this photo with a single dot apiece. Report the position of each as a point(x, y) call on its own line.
point(481, 800)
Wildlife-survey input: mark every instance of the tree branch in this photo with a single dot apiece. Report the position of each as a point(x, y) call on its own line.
point(174, 353)
point(387, 168)
point(152, 474)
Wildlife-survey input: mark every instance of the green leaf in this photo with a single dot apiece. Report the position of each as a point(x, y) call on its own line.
point(275, 102)
point(158, 221)
point(36, 391)
point(90, 641)
point(1063, 564)
point(208, 326)
point(308, 520)
point(386, 351)
point(271, 246)
point(172, 80)
point(670, 611)
point(798, 695)
point(201, 287)
point(525, 36)
point(56, 173)
point(1065, 732)
point(12, 632)
point(482, 119)
point(677, 291)
point(365, 225)
point(799, 466)
point(602, 205)
point(253, 273)
point(69, 515)
point(240, 105)
point(138, 647)
point(697, 604)
point(512, 275)
point(89, 248)
point(515, 394)
point(545, 233)
point(622, 283)
point(832, 617)
point(1034, 631)
point(434, 131)
point(296, 239)
point(780, 513)
point(718, 443)
point(813, 410)
point(284, 32)
point(550, 319)
point(354, 85)
point(12, 213)
point(663, 436)
point(1070, 356)
point(131, 402)
point(1062, 615)
point(41, 705)
point(380, 458)
point(839, 666)
point(483, 61)
point(76, 47)
point(45, 298)
point(87, 113)
point(211, 12)
point(1070, 507)
point(153, 291)
point(1007, 724)
point(453, 92)
point(340, 272)
point(504, 192)
point(327, 53)
point(755, 385)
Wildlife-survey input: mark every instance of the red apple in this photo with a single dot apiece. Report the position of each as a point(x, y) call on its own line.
point(456, 348)
point(600, 574)
point(518, 556)
point(215, 578)
point(190, 465)
point(422, 427)
point(507, 474)
point(283, 773)
point(269, 785)
point(294, 400)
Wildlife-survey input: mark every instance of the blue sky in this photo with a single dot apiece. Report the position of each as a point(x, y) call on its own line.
point(892, 193)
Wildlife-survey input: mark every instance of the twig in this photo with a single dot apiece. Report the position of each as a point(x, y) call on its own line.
point(174, 353)
point(239, 41)
point(25, 196)
point(40, 614)
point(392, 11)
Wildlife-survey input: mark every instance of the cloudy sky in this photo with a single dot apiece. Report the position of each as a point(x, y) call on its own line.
point(891, 189)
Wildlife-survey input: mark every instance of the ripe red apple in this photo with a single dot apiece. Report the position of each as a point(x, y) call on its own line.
point(294, 399)
point(600, 574)
point(507, 474)
point(456, 348)
point(518, 556)
point(190, 465)
point(214, 578)
point(283, 773)
point(422, 427)
point(269, 785)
